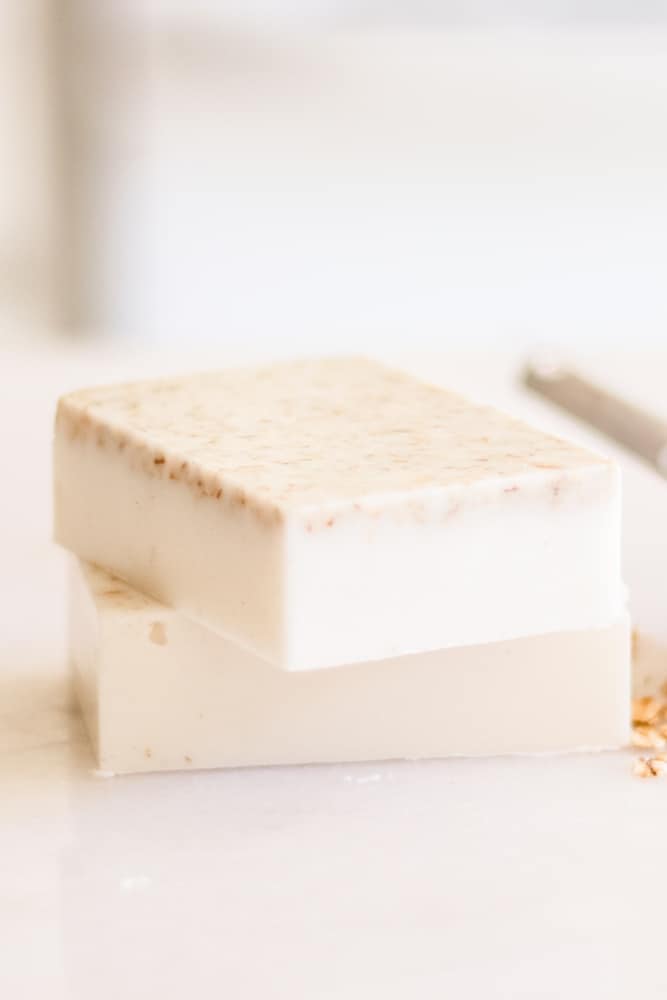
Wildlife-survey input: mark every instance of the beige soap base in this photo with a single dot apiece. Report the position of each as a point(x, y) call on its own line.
point(649, 710)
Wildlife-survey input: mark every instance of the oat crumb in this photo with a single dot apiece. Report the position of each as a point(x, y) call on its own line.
point(648, 738)
point(645, 710)
point(650, 767)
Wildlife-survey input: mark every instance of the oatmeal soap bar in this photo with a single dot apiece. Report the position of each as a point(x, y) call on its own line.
point(160, 692)
point(327, 512)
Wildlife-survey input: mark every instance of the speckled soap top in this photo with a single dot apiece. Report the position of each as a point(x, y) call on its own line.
point(304, 434)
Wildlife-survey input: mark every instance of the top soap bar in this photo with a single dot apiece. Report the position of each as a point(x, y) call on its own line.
point(324, 512)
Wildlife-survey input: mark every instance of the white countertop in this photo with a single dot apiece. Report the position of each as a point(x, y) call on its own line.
point(536, 878)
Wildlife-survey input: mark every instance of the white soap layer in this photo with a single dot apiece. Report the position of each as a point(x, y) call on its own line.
point(160, 692)
point(333, 512)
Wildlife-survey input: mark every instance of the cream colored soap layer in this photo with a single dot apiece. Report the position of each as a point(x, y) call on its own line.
point(321, 513)
point(162, 693)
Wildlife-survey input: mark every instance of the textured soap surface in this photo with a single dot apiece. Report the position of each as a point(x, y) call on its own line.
point(328, 512)
point(161, 692)
point(319, 435)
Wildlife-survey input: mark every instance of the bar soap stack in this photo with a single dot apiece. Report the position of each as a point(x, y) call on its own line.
point(332, 561)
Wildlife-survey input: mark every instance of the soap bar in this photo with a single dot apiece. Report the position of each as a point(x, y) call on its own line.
point(329, 512)
point(160, 691)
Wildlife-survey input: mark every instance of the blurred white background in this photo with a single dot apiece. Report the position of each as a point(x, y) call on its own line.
point(191, 180)
point(314, 176)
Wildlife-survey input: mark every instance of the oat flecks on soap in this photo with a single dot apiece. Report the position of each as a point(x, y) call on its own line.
point(316, 434)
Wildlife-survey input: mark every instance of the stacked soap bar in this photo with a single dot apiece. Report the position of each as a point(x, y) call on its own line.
point(162, 692)
point(342, 547)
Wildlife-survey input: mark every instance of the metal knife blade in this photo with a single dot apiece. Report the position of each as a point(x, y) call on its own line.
point(637, 430)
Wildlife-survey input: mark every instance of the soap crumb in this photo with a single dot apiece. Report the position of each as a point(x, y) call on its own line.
point(158, 634)
point(188, 760)
point(148, 752)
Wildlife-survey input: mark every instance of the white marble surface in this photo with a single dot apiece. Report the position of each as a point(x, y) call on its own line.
point(535, 878)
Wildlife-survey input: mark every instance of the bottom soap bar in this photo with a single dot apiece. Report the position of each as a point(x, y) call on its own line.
point(160, 692)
